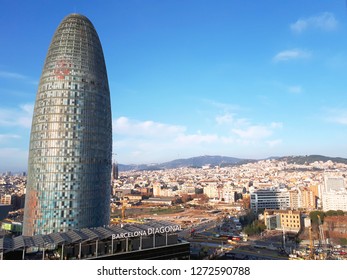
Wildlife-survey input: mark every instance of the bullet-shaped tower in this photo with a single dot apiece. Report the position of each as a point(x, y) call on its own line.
point(71, 135)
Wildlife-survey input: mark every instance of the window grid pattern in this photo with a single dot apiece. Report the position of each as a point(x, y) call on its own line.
point(71, 136)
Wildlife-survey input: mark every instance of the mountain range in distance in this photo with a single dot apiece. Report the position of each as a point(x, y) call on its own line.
point(223, 161)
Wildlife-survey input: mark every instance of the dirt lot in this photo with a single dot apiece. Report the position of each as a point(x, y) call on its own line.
point(183, 216)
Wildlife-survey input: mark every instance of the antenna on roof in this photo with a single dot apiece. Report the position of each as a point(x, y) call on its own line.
point(114, 158)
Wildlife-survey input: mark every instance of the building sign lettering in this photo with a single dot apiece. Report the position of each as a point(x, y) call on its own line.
point(149, 231)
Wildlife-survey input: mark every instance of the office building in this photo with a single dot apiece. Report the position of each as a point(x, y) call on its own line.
point(71, 135)
point(334, 193)
point(269, 199)
point(333, 183)
point(115, 172)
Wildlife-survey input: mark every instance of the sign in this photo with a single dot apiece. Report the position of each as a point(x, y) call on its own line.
point(149, 231)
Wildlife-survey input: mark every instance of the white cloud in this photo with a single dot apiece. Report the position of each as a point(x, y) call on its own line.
point(254, 132)
point(338, 61)
point(155, 131)
point(324, 21)
point(244, 129)
point(224, 119)
point(291, 54)
point(286, 88)
point(196, 139)
point(28, 108)
point(125, 126)
point(295, 89)
point(276, 125)
point(274, 143)
point(153, 149)
point(338, 116)
point(17, 76)
point(257, 132)
point(231, 119)
point(149, 141)
point(5, 137)
point(138, 141)
point(226, 107)
point(13, 159)
point(12, 75)
point(17, 117)
point(227, 140)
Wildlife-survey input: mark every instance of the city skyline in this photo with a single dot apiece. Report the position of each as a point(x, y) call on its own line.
point(249, 80)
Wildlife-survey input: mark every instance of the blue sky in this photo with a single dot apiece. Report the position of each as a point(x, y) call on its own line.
point(248, 79)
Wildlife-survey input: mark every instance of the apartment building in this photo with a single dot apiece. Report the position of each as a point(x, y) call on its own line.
point(334, 194)
point(334, 201)
point(302, 198)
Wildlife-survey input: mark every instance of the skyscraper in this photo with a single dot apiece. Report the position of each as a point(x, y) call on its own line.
point(115, 171)
point(71, 135)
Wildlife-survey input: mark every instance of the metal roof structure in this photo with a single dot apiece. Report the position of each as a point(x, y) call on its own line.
point(6, 243)
point(75, 236)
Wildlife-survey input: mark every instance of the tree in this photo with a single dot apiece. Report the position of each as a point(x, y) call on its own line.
point(255, 228)
point(248, 218)
point(340, 213)
point(314, 217)
point(343, 241)
point(331, 213)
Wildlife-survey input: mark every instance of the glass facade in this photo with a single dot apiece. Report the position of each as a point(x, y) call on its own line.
point(71, 135)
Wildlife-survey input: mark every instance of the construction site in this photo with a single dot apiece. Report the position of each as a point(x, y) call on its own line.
point(177, 214)
point(182, 214)
point(202, 225)
point(324, 241)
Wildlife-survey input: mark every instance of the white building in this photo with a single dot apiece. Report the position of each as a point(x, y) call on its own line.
point(270, 199)
point(334, 200)
point(333, 183)
point(213, 191)
point(334, 194)
point(228, 194)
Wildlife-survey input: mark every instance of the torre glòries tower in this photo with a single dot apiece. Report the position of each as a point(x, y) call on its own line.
point(71, 135)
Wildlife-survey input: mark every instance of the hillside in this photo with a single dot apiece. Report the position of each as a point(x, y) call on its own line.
point(311, 159)
point(222, 161)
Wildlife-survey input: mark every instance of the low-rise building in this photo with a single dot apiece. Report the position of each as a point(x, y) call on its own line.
point(160, 200)
point(288, 220)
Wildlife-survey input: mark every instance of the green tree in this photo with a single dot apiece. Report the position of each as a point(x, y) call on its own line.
point(343, 241)
point(255, 228)
point(331, 213)
point(340, 213)
point(248, 218)
point(314, 217)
